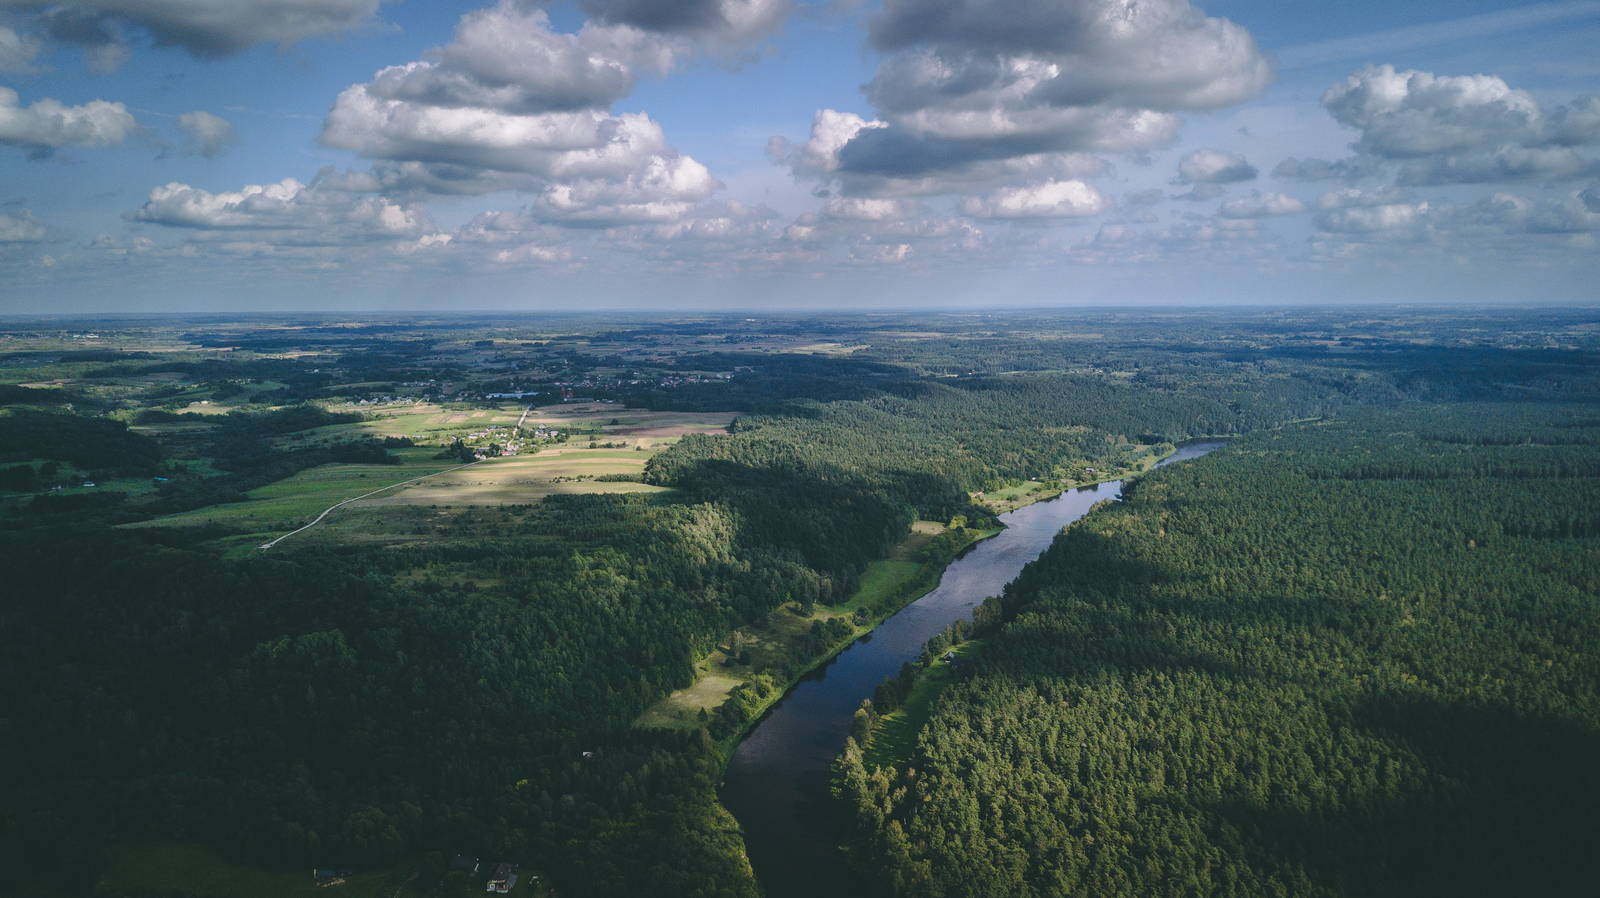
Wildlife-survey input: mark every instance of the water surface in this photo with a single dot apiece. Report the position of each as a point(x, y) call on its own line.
point(777, 781)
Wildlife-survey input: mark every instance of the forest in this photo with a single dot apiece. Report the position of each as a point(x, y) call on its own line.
point(1354, 657)
point(1265, 648)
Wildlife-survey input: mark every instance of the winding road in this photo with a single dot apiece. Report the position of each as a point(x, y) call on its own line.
point(270, 544)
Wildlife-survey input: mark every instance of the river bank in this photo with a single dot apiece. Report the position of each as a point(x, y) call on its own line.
point(778, 782)
point(735, 683)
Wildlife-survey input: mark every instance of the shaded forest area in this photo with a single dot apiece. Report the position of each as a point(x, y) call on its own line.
point(366, 706)
point(1350, 658)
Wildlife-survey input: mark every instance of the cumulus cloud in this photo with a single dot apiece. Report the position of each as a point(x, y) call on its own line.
point(1442, 129)
point(16, 51)
point(974, 82)
point(287, 212)
point(209, 135)
point(1201, 193)
point(716, 26)
point(1383, 219)
point(509, 238)
point(866, 209)
point(833, 133)
point(511, 104)
point(508, 59)
point(21, 228)
point(1261, 205)
point(1215, 167)
point(660, 188)
point(211, 28)
point(1051, 199)
point(48, 124)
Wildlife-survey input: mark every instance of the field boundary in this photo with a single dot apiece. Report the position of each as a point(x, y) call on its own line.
point(270, 543)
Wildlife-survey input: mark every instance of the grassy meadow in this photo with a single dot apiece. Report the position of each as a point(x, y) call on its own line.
point(719, 673)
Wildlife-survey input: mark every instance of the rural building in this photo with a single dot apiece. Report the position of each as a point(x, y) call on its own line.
point(502, 879)
point(463, 864)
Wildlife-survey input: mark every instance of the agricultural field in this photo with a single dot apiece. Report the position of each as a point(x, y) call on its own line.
point(288, 503)
point(554, 458)
point(521, 479)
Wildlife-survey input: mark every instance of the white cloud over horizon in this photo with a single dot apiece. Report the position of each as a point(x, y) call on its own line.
point(1021, 137)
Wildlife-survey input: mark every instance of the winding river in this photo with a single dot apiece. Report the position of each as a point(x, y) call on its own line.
point(776, 784)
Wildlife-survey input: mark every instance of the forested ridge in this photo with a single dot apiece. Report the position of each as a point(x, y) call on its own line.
point(333, 706)
point(1350, 658)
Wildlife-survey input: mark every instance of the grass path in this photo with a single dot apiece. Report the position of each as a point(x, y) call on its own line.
point(269, 544)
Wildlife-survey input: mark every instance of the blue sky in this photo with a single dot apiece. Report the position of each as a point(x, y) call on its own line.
point(174, 155)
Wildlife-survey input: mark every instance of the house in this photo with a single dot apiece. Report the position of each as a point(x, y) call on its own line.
point(502, 879)
point(463, 864)
point(949, 657)
point(323, 874)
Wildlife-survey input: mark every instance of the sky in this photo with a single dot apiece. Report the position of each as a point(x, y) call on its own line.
point(266, 155)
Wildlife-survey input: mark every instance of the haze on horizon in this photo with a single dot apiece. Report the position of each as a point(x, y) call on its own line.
point(242, 155)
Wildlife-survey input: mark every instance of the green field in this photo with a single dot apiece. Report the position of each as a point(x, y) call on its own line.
point(895, 738)
point(524, 478)
point(278, 508)
point(282, 506)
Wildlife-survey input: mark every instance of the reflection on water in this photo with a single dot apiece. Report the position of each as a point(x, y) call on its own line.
point(777, 781)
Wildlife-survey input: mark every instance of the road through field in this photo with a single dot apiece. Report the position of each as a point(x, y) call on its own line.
point(271, 543)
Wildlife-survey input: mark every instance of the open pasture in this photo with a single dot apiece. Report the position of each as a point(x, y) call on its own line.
point(634, 424)
point(523, 479)
point(288, 503)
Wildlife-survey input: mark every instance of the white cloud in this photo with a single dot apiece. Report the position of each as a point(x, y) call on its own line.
point(202, 27)
point(510, 104)
point(1215, 167)
point(881, 254)
point(509, 60)
point(975, 81)
point(661, 188)
point(287, 212)
point(1051, 199)
point(863, 209)
point(17, 52)
point(721, 27)
point(1462, 129)
point(209, 135)
point(1001, 104)
point(23, 228)
point(819, 155)
point(831, 131)
point(1502, 226)
point(1506, 163)
point(1406, 115)
point(48, 124)
point(1262, 205)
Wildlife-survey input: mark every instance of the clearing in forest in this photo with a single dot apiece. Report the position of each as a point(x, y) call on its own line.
point(720, 672)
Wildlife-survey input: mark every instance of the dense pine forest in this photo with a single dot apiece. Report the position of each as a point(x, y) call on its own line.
point(1354, 657)
point(1360, 632)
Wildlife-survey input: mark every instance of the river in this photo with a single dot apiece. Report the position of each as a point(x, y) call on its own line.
point(777, 783)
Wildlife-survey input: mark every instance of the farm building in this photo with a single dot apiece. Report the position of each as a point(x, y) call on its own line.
point(502, 879)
